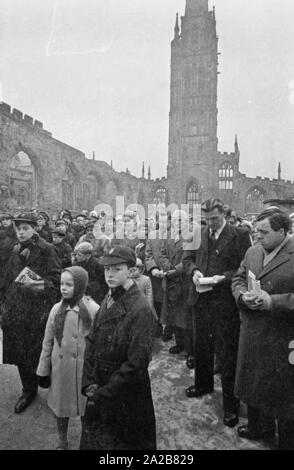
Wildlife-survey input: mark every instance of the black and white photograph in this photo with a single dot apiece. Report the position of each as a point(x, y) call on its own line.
point(146, 227)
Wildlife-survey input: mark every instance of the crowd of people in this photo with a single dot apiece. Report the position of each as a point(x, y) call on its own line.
point(83, 299)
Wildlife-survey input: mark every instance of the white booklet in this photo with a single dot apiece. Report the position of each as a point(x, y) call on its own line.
point(253, 284)
point(205, 285)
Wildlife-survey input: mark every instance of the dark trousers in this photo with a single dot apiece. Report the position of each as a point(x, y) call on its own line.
point(259, 423)
point(28, 379)
point(216, 329)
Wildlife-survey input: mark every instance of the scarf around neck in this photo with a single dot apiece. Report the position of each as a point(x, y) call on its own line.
point(80, 277)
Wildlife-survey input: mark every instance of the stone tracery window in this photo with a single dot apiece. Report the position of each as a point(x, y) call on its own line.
point(68, 189)
point(254, 201)
point(193, 195)
point(225, 176)
point(22, 181)
point(160, 195)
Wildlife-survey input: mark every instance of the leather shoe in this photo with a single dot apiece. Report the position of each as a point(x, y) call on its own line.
point(190, 362)
point(245, 433)
point(175, 350)
point(230, 419)
point(23, 402)
point(196, 392)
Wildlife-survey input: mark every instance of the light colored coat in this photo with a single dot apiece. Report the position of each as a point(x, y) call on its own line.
point(265, 377)
point(144, 284)
point(65, 364)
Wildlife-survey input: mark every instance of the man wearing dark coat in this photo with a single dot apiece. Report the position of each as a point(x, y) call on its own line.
point(27, 304)
point(119, 413)
point(7, 241)
point(83, 256)
point(215, 314)
point(264, 290)
point(63, 249)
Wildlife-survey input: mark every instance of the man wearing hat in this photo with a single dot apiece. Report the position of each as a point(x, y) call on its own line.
point(63, 226)
point(215, 314)
point(119, 413)
point(27, 305)
point(83, 256)
point(62, 248)
point(42, 227)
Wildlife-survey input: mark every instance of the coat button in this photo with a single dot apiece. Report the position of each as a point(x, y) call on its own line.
point(60, 356)
point(75, 336)
point(74, 355)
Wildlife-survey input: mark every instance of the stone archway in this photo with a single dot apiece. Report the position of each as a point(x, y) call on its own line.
point(22, 188)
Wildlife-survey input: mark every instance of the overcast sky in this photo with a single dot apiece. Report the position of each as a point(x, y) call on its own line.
point(97, 73)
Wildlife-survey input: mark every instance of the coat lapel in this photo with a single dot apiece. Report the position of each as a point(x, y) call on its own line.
point(116, 310)
point(282, 257)
point(225, 237)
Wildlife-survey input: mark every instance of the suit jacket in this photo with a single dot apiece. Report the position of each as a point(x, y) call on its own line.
point(265, 378)
point(232, 246)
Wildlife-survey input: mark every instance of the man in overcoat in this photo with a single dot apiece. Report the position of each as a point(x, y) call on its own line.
point(265, 375)
point(153, 268)
point(119, 413)
point(83, 256)
point(26, 306)
point(215, 314)
point(175, 312)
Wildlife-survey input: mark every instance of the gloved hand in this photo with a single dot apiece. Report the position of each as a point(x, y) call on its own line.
point(44, 382)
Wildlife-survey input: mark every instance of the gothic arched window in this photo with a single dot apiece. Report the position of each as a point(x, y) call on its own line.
point(193, 195)
point(225, 176)
point(254, 201)
point(69, 189)
point(22, 186)
point(160, 196)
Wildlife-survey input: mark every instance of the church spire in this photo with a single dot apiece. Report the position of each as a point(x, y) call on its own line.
point(143, 170)
point(149, 173)
point(236, 144)
point(279, 171)
point(177, 28)
point(193, 7)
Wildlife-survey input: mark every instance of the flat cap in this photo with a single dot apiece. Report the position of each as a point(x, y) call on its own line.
point(120, 254)
point(26, 218)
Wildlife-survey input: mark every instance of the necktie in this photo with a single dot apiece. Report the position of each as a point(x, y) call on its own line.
point(212, 235)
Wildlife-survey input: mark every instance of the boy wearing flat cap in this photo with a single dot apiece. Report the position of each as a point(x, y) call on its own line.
point(119, 413)
point(27, 305)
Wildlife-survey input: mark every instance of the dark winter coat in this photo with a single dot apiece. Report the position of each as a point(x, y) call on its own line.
point(45, 233)
point(97, 287)
point(7, 241)
point(64, 252)
point(176, 289)
point(25, 312)
point(118, 352)
point(265, 377)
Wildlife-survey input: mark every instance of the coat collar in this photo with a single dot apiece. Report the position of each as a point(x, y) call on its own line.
point(120, 308)
point(282, 257)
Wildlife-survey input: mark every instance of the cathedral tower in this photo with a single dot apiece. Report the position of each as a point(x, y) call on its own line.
point(193, 104)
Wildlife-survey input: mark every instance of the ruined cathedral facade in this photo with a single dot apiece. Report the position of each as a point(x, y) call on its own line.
point(38, 170)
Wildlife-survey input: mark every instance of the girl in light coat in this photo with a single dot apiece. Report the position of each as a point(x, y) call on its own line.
point(61, 361)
